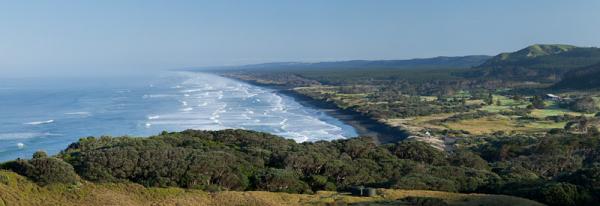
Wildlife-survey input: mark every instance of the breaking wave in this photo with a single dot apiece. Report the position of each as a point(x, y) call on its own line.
point(40, 122)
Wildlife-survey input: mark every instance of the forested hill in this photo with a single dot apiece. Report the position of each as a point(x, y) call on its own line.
point(546, 63)
point(526, 54)
point(560, 169)
point(582, 78)
point(436, 62)
point(540, 62)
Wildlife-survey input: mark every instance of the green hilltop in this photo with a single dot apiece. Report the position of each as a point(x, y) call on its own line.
point(535, 50)
point(539, 62)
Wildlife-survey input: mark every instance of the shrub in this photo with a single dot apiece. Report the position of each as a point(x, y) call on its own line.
point(4, 179)
point(585, 104)
point(39, 154)
point(563, 194)
point(319, 182)
point(468, 159)
point(45, 170)
point(537, 102)
point(418, 151)
point(279, 180)
point(588, 177)
point(424, 182)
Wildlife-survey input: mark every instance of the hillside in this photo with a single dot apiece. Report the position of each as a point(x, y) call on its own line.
point(583, 78)
point(17, 190)
point(531, 52)
point(240, 160)
point(435, 62)
point(544, 63)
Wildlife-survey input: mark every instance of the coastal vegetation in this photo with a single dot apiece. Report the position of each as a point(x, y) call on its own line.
point(557, 169)
point(522, 92)
point(522, 116)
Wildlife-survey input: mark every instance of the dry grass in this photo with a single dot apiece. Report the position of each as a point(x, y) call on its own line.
point(485, 125)
point(460, 199)
point(20, 191)
point(543, 113)
point(418, 123)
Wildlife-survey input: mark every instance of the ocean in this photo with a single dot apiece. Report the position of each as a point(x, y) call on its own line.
point(49, 114)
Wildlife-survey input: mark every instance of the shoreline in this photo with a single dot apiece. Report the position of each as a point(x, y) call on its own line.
point(364, 126)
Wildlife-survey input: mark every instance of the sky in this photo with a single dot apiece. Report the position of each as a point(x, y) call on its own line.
point(55, 37)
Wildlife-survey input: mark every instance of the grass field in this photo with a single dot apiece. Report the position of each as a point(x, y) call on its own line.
point(17, 190)
point(484, 125)
point(478, 126)
point(552, 109)
point(496, 123)
point(505, 104)
point(418, 123)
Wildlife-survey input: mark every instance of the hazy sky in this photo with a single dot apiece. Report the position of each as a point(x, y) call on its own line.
point(126, 35)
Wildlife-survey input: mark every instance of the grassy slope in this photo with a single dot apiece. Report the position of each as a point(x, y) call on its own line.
point(17, 190)
point(538, 63)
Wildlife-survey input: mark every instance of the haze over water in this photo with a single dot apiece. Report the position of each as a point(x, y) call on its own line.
point(50, 114)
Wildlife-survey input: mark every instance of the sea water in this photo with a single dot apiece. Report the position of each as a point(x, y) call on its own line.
point(49, 114)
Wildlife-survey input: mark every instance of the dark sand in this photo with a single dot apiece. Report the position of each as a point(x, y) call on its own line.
point(364, 126)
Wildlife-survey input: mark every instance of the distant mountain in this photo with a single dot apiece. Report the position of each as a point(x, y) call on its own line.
point(540, 62)
point(436, 62)
point(582, 78)
point(527, 54)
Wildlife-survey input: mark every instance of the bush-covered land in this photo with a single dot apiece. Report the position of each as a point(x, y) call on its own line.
point(582, 78)
point(559, 169)
point(518, 91)
point(543, 63)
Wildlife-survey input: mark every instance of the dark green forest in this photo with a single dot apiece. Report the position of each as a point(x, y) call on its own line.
point(556, 169)
point(582, 78)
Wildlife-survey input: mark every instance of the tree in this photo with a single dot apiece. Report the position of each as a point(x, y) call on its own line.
point(39, 154)
point(490, 99)
point(586, 104)
point(560, 194)
point(45, 170)
point(280, 180)
point(468, 159)
point(587, 177)
point(418, 151)
point(537, 102)
point(582, 124)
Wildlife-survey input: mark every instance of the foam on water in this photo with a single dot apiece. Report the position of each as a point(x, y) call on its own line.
point(40, 122)
point(78, 113)
point(151, 117)
point(22, 135)
point(271, 112)
point(174, 101)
